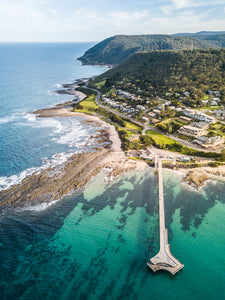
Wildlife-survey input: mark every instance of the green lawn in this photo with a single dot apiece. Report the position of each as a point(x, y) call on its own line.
point(133, 126)
point(218, 129)
point(129, 132)
point(211, 108)
point(100, 84)
point(88, 106)
point(160, 139)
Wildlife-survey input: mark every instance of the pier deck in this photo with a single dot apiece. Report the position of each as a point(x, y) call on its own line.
point(164, 260)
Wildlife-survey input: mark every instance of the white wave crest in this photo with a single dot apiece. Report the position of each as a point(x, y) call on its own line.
point(72, 136)
point(10, 118)
point(56, 159)
point(38, 207)
point(29, 117)
point(52, 93)
point(35, 122)
point(58, 85)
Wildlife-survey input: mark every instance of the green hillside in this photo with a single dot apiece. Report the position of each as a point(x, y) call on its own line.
point(216, 38)
point(171, 71)
point(117, 49)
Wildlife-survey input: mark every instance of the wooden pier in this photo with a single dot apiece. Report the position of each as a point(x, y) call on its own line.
point(164, 260)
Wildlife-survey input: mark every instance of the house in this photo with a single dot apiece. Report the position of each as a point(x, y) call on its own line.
point(189, 113)
point(213, 103)
point(156, 111)
point(178, 109)
point(145, 119)
point(140, 107)
point(199, 116)
point(211, 142)
point(155, 120)
point(193, 130)
point(186, 119)
point(151, 114)
point(205, 102)
point(201, 125)
point(219, 113)
point(123, 94)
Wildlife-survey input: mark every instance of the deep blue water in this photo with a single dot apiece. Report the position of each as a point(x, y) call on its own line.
point(94, 245)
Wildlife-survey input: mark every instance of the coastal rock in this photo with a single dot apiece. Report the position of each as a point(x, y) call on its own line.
point(196, 178)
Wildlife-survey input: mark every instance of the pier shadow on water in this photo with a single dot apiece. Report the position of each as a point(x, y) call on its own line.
point(97, 247)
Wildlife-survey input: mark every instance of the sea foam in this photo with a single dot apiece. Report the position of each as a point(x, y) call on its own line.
point(65, 131)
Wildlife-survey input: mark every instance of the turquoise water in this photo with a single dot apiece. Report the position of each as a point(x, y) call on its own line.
point(95, 245)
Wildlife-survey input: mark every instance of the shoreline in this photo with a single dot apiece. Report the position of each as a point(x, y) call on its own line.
point(53, 183)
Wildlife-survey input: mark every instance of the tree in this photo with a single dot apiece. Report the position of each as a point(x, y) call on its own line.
point(222, 156)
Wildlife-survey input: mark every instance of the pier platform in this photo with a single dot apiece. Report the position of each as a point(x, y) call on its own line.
point(164, 260)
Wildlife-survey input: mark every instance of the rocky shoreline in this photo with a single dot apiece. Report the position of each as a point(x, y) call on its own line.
point(56, 182)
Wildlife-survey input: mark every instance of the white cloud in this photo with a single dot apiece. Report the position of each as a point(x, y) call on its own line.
point(13, 9)
point(181, 3)
point(125, 16)
point(37, 20)
point(187, 21)
point(167, 9)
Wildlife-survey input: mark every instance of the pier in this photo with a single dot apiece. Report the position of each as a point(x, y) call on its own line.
point(164, 260)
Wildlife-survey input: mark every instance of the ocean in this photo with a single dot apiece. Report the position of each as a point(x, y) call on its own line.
point(93, 244)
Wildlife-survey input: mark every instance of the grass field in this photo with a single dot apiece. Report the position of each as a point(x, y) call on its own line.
point(129, 132)
point(160, 139)
point(133, 126)
point(100, 84)
point(88, 106)
point(218, 129)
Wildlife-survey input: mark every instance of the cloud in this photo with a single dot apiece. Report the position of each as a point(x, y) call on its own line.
point(181, 4)
point(48, 20)
point(186, 21)
point(12, 10)
point(167, 9)
point(123, 15)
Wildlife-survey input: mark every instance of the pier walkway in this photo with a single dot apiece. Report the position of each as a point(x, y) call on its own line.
point(164, 260)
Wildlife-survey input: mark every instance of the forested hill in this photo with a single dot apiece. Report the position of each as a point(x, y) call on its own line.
point(115, 50)
point(216, 38)
point(171, 71)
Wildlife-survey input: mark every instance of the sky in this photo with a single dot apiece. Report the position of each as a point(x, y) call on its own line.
point(95, 20)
